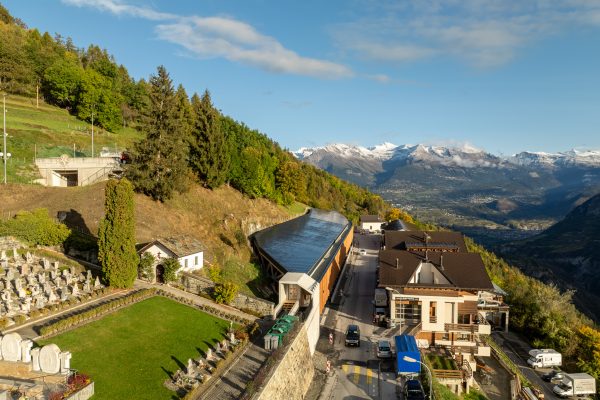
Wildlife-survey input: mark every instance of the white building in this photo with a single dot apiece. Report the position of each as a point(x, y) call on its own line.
point(187, 250)
point(371, 223)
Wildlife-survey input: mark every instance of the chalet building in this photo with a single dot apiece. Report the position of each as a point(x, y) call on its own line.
point(440, 292)
point(187, 250)
point(305, 256)
point(371, 223)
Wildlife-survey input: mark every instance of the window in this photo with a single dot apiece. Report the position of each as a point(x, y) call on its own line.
point(408, 311)
point(196, 260)
point(464, 318)
point(432, 312)
point(186, 262)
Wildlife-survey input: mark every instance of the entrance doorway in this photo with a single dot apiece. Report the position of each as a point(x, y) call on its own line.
point(160, 274)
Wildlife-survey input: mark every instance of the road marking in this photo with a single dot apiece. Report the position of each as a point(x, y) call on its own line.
point(345, 368)
point(369, 376)
point(356, 377)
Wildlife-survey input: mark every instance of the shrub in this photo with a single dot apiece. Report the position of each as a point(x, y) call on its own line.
point(225, 292)
point(35, 227)
point(19, 318)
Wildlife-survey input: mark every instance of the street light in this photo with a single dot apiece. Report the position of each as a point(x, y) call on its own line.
point(412, 360)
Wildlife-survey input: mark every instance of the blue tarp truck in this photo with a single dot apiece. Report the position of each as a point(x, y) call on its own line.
point(406, 346)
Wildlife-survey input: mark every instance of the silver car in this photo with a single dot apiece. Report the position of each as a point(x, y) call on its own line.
point(384, 349)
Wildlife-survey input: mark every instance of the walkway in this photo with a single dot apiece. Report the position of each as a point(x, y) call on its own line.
point(198, 300)
point(232, 384)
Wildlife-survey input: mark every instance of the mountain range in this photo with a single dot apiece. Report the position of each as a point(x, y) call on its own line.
point(487, 196)
point(568, 253)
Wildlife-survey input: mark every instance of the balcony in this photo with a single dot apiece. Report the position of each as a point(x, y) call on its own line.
point(482, 329)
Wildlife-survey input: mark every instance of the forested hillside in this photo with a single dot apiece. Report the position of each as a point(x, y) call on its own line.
point(187, 139)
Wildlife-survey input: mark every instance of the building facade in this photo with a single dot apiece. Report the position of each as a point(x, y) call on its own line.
point(188, 251)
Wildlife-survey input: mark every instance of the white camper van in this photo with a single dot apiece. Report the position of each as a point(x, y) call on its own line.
point(544, 358)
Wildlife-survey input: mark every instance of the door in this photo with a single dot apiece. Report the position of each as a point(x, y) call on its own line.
point(160, 274)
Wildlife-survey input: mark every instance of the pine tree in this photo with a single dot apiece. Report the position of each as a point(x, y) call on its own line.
point(209, 150)
point(159, 164)
point(116, 235)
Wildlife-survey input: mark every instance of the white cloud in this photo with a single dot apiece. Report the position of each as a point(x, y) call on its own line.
point(118, 8)
point(240, 42)
point(236, 41)
point(484, 33)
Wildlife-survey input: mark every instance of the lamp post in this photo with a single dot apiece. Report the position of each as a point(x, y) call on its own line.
point(412, 360)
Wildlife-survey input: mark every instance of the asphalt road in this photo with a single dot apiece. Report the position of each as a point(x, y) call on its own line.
point(360, 375)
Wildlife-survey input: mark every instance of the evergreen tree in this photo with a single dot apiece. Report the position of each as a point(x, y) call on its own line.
point(116, 235)
point(209, 150)
point(159, 164)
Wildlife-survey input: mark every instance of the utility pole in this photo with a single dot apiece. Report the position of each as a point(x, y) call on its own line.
point(92, 132)
point(4, 156)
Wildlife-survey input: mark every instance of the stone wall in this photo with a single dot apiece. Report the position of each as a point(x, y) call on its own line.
point(292, 377)
point(83, 394)
point(200, 285)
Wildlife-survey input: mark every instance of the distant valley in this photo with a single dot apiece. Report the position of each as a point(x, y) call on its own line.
point(489, 197)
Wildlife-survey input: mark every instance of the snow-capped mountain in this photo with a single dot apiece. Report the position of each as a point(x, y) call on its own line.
point(567, 158)
point(462, 156)
point(463, 183)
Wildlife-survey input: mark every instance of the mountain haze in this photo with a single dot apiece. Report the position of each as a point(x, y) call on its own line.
point(488, 196)
point(567, 253)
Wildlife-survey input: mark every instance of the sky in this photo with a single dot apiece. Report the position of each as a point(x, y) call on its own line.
point(501, 75)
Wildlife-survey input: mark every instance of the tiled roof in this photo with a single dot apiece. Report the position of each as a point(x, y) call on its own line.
point(462, 270)
point(181, 245)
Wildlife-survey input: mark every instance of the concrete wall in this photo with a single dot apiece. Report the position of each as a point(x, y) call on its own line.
point(292, 377)
point(199, 285)
point(88, 169)
point(333, 271)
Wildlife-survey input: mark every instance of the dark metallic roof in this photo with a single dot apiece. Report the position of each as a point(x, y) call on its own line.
point(306, 244)
point(370, 218)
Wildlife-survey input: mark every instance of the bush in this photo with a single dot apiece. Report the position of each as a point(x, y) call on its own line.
point(35, 227)
point(19, 319)
point(224, 293)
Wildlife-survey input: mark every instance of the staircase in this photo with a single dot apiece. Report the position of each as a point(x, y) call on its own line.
point(287, 306)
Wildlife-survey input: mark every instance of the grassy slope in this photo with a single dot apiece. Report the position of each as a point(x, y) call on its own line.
point(49, 131)
point(218, 218)
point(129, 354)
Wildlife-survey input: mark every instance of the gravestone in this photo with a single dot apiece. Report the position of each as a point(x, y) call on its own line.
point(45, 263)
point(15, 253)
point(232, 338)
point(87, 287)
point(52, 296)
point(3, 255)
point(65, 362)
point(50, 359)
point(28, 257)
point(218, 348)
point(42, 278)
point(35, 359)
point(97, 284)
point(11, 347)
point(26, 346)
point(189, 369)
point(75, 290)
point(24, 269)
point(88, 275)
point(209, 354)
point(55, 265)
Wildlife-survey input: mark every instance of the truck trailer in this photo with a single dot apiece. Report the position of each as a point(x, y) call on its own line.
point(544, 358)
point(381, 299)
point(575, 385)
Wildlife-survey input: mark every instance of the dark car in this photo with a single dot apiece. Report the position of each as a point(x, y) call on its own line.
point(352, 336)
point(413, 390)
point(553, 376)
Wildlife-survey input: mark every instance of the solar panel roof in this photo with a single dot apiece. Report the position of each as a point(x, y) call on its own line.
point(305, 244)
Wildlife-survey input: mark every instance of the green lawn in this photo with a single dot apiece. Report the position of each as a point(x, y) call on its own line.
point(49, 131)
point(130, 353)
point(440, 362)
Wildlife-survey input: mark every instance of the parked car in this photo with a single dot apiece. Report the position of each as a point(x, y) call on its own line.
point(352, 336)
point(413, 390)
point(553, 376)
point(384, 349)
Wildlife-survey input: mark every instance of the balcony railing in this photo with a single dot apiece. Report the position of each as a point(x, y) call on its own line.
point(460, 328)
point(433, 319)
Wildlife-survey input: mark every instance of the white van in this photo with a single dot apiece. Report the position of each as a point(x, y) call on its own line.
point(544, 358)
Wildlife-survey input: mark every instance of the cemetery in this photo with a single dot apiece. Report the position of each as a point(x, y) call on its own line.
point(154, 349)
point(38, 372)
point(31, 285)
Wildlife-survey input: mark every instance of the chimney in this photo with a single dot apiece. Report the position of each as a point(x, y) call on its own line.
point(426, 255)
point(397, 263)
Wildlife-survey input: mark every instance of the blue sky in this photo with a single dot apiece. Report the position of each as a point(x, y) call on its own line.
point(501, 75)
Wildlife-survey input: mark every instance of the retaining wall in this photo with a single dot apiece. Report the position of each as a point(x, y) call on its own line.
point(291, 379)
point(200, 285)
